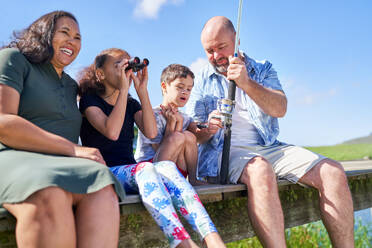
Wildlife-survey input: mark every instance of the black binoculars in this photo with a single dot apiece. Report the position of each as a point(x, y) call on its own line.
point(135, 64)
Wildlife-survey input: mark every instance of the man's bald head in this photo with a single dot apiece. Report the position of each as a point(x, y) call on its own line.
point(218, 40)
point(217, 24)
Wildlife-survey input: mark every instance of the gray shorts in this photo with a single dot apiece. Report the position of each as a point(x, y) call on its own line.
point(289, 162)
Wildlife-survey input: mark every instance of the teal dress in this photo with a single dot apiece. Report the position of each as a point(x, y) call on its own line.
point(49, 102)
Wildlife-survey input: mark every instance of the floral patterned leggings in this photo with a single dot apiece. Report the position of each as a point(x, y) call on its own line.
point(163, 188)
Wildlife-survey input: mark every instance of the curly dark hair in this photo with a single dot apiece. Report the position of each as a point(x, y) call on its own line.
point(88, 82)
point(35, 42)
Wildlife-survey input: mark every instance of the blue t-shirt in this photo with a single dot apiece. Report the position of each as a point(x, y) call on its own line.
point(117, 152)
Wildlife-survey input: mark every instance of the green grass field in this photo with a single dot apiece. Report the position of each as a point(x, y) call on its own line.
point(344, 152)
point(311, 235)
point(314, 234)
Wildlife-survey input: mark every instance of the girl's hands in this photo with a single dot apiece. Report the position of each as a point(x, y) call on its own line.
point(122, 75)
point(140, 80)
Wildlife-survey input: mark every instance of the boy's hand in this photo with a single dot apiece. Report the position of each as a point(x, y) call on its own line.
point(170, 118)
point(168, 114)
point(178, 116)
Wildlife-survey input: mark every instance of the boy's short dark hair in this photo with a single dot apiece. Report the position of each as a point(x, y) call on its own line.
point(174, 71)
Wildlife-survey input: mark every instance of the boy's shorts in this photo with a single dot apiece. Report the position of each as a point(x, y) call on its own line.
point(288, 161)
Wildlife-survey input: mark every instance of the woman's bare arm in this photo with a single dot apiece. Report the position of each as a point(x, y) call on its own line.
point(19, 133)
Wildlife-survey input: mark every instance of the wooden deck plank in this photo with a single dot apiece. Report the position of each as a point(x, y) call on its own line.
point(352, 168)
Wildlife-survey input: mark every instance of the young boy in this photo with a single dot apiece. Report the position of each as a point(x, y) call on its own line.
point(175, 140)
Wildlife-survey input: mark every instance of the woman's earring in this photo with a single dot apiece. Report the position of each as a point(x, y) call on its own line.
point(99, 76)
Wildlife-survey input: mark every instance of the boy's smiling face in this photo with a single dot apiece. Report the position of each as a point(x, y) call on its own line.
point(178, 91)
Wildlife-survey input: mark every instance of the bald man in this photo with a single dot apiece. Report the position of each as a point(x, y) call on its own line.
point(257, 158)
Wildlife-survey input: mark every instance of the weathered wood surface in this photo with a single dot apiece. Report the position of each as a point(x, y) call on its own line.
point(227, 206)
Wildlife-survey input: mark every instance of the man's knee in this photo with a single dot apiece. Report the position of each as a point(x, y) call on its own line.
point(258, 171)
point(331, 171)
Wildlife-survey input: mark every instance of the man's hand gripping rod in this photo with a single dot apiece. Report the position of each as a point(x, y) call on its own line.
point(226, 107)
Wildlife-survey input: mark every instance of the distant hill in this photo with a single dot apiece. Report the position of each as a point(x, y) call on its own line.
point(360, 140)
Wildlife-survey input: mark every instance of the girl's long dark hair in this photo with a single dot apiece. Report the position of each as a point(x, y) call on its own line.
point(87, 79)
point(35, 42)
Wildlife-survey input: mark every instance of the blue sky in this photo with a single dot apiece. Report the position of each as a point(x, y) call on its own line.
point(322, 50)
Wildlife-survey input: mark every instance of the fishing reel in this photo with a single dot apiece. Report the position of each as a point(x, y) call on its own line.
point(225, 108)
point(136, 65)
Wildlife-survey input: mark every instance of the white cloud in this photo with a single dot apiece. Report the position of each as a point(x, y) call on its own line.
point(198, 64)
point(150, 8)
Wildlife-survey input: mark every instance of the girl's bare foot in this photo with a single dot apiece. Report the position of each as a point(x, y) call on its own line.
point(187, 243)
point(214, 240)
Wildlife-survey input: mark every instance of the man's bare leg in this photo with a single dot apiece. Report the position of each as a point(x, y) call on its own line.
point(336, 204)
point(264, 206)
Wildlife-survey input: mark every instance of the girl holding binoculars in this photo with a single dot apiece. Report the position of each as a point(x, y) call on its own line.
point(109, 114)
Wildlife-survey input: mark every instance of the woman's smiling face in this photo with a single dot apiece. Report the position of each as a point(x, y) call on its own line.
point(66, 43)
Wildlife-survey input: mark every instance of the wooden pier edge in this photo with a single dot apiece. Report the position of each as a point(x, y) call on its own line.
point(227, 206)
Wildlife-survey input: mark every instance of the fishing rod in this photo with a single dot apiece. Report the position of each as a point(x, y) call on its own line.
point(226, 107)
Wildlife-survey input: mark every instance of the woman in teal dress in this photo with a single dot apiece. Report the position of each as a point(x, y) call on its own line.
point(61, 194)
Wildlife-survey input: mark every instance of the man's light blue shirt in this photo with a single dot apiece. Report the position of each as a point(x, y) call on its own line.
point(209, 86)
